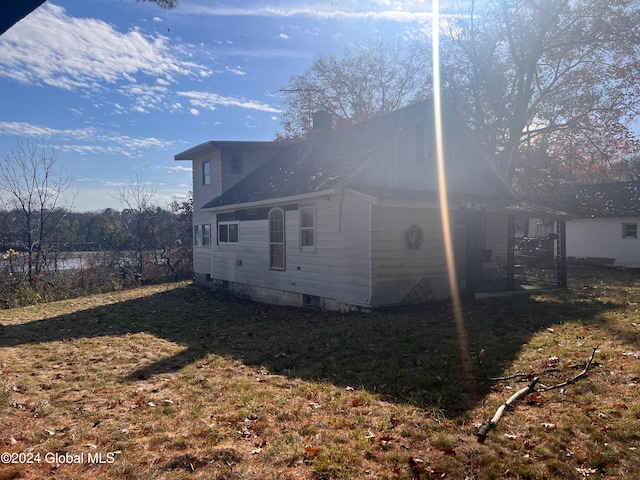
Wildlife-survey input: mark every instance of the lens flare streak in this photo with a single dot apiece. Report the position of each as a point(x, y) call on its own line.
point(467, 368)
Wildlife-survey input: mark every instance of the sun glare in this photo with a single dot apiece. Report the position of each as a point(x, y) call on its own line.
point(444, 209)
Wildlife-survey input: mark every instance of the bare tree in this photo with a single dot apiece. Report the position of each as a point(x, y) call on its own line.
point(31, 186)
point(369, 79)
point(137, 217)
point(525, 70)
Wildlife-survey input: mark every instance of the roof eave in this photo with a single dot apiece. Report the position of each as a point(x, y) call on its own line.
point(198, 150)
point(273, 201)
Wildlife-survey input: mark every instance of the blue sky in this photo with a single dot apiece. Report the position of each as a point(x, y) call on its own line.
point(118, 87)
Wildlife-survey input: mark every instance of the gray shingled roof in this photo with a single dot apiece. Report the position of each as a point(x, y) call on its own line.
point(620, 199)
point(322, 162)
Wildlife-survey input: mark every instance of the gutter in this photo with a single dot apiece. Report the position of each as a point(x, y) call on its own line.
point(272, 201)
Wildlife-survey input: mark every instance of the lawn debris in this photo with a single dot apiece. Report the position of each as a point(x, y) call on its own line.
point(528, 392)
point(486, 427)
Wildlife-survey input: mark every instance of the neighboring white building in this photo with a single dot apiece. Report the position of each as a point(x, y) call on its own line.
point(351, 217)
point(605, 228)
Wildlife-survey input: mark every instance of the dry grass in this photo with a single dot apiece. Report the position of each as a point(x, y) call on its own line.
point(179, 383)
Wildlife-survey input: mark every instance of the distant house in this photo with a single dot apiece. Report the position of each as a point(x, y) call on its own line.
point(351, 217)
point(605, 228)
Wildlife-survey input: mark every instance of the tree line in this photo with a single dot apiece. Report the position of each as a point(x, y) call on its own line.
point(50, 251)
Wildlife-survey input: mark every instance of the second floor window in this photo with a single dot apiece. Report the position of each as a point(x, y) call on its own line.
point(236, 163)
point(206, 173)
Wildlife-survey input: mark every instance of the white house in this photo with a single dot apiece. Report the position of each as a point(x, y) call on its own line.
point(605, 228)
point(351, 217)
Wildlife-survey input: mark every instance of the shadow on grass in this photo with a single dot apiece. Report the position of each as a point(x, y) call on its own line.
point(406, 355)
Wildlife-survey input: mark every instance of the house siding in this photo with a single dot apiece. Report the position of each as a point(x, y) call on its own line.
point(251, 160)
point(497, 238)
point(466, 171)
point(337, 270)
point(600, 240)
point(400, 170)
point(396, 268)
point(203, 193)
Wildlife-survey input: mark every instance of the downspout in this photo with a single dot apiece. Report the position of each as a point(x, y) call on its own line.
point(370, 299)
point(561, 248)
point(340, 212)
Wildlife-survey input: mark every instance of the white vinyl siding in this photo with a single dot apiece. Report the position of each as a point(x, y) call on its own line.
point(339, 270)
point(600, 239)
point(397, 269)
point(497, 238)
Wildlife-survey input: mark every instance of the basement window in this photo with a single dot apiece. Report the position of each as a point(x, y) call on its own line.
point(629, 230)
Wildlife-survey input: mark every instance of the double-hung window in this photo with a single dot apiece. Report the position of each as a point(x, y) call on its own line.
point(206, 172)
point(236, 163)
point(202, 235)
point(629, 230)
point(276, 239)
point(308, 227)
point(228, 232)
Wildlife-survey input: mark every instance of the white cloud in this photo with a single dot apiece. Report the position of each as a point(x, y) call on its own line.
point(146, 97)
point(180, 168)
point(24, 129)
point(211, 101)
point(405, 11)
point(51, 48)
point(236, 70)
point(86, 140)
point(194, 111)
point(284, 36)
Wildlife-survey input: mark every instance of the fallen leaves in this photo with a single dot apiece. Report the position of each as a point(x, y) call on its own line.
point(312, 451)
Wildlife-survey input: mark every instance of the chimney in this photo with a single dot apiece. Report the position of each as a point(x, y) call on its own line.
point(322, 123)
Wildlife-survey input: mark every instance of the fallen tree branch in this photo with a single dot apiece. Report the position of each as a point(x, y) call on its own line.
point(577, 377)
point(508, 377)
point(486, 427)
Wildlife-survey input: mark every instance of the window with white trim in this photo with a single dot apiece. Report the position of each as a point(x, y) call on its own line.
point(202, 235)
point(228, 232)
point(629, 230)
point(206, 172)
point(308, 227)
point(276, 239)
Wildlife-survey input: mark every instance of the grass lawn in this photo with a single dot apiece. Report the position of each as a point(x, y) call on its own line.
point(172, 382)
